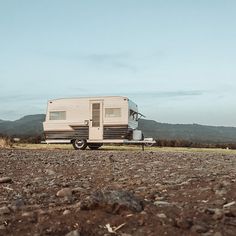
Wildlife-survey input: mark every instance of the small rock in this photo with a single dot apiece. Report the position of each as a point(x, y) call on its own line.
point(218, 214)
point(5, 180)
point(78, 189)
point(143, 213)
point(17, 204)
point(217, 234)
point(4, 210)
point(219, 202)
point(141, 222)
point(27, 214)
point(142, 188)
point(42, 212)
point(122, 179)
point(158, 185)
point(162, 203)
point(139, 182)
point(230, 212)
point(162, 215)
point(2, 227)
point(66, 212)
point(43, 195)
point(209, 233)
point(73, 233)
point(199, 228)
point(159, 198)
point(50, 172)
point(30, 216)
point(78, 205)
point(38, 179)
point(221, 192)
point(65, 192)
point(184, 223)
point(225, 183)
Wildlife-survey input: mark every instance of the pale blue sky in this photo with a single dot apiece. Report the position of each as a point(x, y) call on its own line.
point(175, 59)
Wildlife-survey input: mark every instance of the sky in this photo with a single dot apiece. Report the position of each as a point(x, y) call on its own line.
point(175, 59)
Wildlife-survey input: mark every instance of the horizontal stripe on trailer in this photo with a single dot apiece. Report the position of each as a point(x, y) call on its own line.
point(66, 134)
point(79, 127)
point(118, 132)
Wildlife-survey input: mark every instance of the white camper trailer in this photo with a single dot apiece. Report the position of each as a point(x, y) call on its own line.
point(93, 121)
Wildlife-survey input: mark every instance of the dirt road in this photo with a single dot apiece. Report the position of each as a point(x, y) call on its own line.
point(67, 192)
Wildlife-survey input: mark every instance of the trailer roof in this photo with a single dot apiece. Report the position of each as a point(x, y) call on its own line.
point(92, 97)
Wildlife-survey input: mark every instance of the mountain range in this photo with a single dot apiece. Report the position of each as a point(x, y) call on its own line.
point(190, 132)
point(26, 126)
point(31, 125)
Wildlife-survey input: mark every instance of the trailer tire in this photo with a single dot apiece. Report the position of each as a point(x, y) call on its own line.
point(79, 144)
point(94, 146)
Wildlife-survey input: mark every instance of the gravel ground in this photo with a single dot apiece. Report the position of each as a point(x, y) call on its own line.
point(78, 193)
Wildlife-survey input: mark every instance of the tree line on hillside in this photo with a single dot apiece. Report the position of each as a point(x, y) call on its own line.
point(36, 139)
point(192, 144)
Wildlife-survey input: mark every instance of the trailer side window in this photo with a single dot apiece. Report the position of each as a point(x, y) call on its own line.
point(57, 115)
point(112, 112)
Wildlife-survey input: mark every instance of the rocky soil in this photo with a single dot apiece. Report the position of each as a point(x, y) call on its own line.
point(79, 193)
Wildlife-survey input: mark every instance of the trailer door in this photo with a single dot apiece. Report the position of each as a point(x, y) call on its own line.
point(96, 121)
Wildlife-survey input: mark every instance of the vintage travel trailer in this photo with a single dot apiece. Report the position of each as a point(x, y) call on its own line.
point(93, 121)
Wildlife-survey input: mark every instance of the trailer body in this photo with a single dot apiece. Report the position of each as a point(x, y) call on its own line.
point(91, 121)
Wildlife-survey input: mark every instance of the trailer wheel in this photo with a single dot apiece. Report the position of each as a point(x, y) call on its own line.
point(79, 144)
point(94, 146)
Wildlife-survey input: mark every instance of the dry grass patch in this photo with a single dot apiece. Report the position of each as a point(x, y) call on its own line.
point(5, 142)
point(125, 148)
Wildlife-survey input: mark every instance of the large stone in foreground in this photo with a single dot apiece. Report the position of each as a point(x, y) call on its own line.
point(112, 201)
point(5, 180)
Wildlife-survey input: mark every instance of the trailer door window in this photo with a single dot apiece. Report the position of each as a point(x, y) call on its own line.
point(112, 112)
point(57, 115)
point(96, 114)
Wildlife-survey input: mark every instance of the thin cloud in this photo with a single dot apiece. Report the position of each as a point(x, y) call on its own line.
point(180, 93)
point(106, 57)
point(122, 60)
point(117, 60)
point(20, 98)
point(169, 94)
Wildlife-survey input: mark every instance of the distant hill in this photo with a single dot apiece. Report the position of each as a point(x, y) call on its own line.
point(27, 125)
point(191, 132)
point(32, 125)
